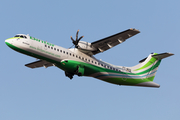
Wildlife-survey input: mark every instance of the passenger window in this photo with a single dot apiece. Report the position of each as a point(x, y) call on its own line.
point(76, 56)
point(57, 49)
point(79, 57)
point(86, 59)
point(89, 60)
point(48, 46)
point(82, 58)
point(73, 55)
point(60, 50)
point(67, 53)
point(70, 54)
point(54, 48)
point(45, 45)
point(63, 51)
point(92, 61)
point(101, 64)
point(51, 47)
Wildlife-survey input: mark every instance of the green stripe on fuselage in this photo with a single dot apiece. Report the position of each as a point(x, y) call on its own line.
point(30, 53)
point(127, 81)
point(150, 62)
point(90, 69)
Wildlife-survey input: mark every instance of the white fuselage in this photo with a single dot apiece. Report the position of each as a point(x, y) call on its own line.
point(56, 53)
point(75, 62)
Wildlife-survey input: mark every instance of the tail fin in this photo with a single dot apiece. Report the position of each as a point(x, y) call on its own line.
point(148, 66)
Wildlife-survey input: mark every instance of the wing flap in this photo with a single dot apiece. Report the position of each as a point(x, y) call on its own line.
point(111, 41)
point(40, 63)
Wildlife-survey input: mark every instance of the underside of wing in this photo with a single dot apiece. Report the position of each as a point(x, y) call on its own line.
point(111, 41)
point(40, 63)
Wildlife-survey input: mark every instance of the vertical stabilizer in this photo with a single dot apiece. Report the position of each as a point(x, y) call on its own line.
point(148, 66)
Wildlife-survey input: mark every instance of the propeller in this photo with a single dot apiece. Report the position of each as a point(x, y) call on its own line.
point(75, 42)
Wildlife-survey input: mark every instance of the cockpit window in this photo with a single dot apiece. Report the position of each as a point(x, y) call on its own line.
point(22, 36)
point(19, 36)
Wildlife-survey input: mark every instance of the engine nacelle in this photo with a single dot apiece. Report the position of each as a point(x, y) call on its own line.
point(85, 46)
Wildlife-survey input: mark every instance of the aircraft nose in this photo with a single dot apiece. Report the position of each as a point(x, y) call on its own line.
point(8, 41)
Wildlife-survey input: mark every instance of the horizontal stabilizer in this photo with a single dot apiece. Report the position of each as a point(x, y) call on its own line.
point(162, 55)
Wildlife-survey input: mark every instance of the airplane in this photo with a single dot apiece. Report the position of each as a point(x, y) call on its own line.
point(80, 60)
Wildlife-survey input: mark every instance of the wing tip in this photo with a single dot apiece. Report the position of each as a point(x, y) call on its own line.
point(133, 29)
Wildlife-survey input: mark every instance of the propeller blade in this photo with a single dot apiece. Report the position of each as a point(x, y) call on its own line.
point(72, 39)
point(71, 46)
point(77, 35)
point(75, 42)
point(80, 38)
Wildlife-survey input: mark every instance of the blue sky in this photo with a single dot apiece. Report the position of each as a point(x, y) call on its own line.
point(34, 94)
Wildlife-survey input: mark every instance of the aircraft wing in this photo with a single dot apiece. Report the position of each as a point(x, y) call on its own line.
point(111, 41)
point(39, 63)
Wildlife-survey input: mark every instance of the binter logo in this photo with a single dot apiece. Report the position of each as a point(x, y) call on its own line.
point(32, 38)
